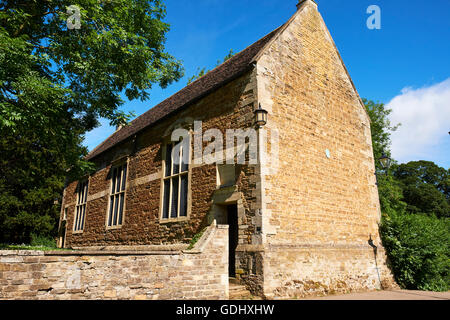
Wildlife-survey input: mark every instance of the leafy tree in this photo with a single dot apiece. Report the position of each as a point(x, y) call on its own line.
point(389, 189)
point(381, 129)
point(419, 248)
point(390, 194)
point(32, 179)
point(201, 72)
point(55, 82)
point(425, 187)
point(418, 172)
point(426, 199)
point(412, 196)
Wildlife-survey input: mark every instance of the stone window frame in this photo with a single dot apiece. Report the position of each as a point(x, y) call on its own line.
point(115, 165)
point(165, 142)
point(82, 202)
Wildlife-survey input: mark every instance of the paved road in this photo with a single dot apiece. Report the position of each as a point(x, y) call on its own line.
point(390, 295)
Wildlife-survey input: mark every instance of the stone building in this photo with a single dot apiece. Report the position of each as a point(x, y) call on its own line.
point(301, 209)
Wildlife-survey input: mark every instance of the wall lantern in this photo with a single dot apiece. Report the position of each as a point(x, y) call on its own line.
point(261, 117)
point(385, 162)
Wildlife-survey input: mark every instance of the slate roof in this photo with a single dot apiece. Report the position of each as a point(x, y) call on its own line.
point(213, 80)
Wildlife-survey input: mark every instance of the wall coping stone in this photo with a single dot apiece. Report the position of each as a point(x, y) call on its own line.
point(110, 253)
point(163, 247)
point(70, 253)
point(21, 253)
point(323, 246)
point(178, 249)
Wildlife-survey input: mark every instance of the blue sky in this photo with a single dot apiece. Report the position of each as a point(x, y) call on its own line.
point(405, 64)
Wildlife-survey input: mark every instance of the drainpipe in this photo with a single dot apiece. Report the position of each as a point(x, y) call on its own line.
point(375, 251)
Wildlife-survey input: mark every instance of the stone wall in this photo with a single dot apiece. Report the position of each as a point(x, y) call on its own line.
point(323, 193)
point(323, 270)
point(201, 273)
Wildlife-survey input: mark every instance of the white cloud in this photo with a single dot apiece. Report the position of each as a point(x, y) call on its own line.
point(425, 117)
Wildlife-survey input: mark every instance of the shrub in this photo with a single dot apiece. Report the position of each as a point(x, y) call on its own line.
point(418, 248)
point(42, 241)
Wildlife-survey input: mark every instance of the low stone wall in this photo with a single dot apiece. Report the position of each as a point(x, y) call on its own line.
point(201, 273)
point(296, 272)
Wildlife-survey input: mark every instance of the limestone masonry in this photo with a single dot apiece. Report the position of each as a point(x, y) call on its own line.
point(198, 274)
point(299, 224)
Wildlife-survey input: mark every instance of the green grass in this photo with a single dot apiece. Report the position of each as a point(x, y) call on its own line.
point(38, 243)
point(26, 247)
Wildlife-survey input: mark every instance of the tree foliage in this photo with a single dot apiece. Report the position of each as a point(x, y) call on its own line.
point(381, 128)
point(419, 250)
point(56, 82)
point(415, 226)
point(390, 192)
point(119, 47)
point(426, 187)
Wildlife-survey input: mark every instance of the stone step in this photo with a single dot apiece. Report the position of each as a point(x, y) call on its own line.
point(242, 293)
point(237, 288)
point(238, 292)
point(241, 296)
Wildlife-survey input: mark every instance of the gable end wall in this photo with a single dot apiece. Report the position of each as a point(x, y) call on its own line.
point(318, 212)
